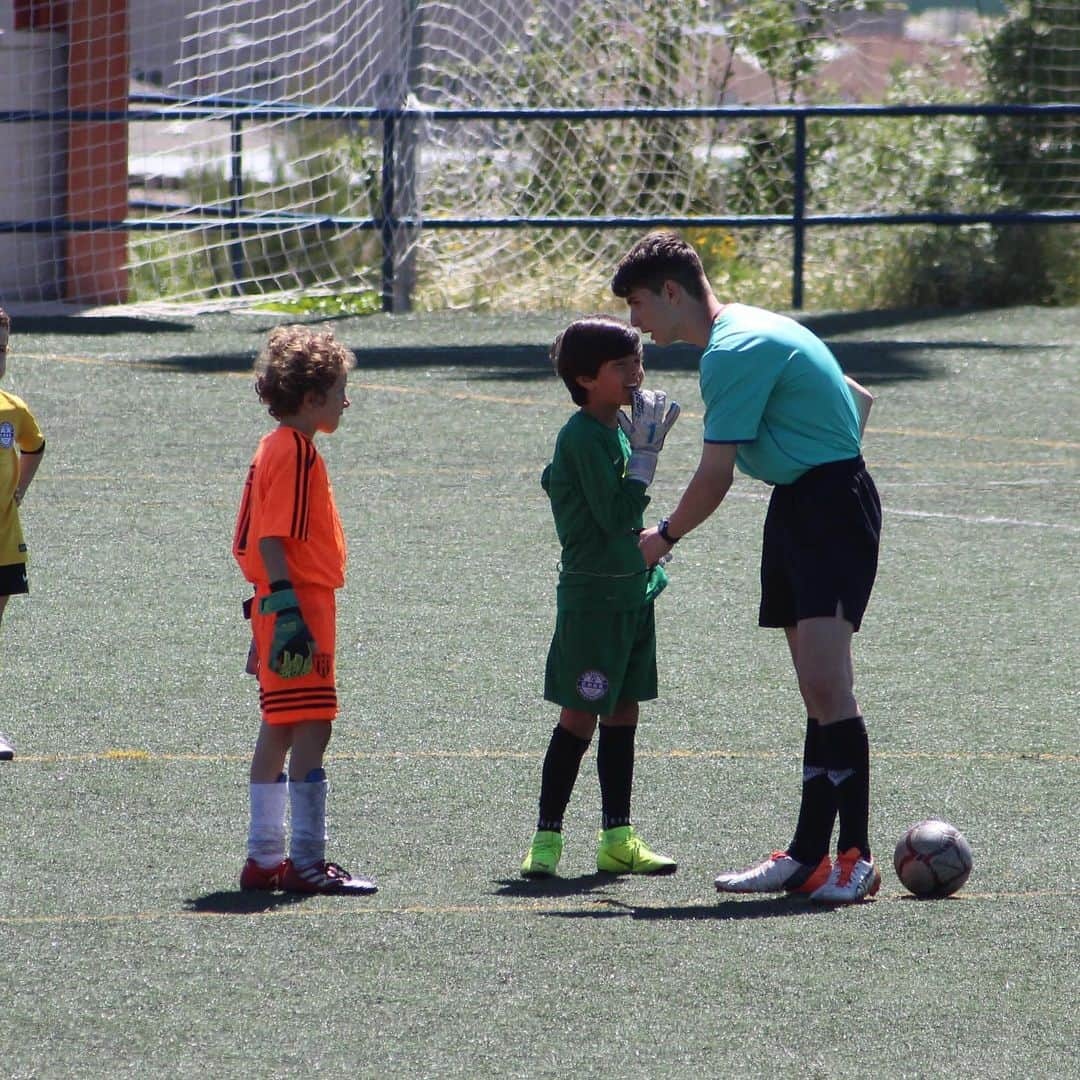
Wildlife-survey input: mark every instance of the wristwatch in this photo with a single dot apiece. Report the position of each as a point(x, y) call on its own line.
point(663, 531)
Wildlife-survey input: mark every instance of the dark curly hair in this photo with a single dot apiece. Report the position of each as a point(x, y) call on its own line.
point(295, 361)
point(588, 343)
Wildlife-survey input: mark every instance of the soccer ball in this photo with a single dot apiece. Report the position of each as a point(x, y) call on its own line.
point(932, 859)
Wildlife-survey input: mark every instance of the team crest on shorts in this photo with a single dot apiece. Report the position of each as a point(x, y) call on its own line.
point(320, 664)
point(7, 435)
point(592, 685)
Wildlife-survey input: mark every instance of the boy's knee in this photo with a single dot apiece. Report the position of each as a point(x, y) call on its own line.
point(625, 715)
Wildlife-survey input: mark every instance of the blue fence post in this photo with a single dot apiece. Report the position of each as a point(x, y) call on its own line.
point(236, 202)
point(387, 222)
point(798, 216)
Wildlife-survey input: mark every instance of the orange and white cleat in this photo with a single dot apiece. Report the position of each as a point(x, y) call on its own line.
point(778, 873)
point(853, 879)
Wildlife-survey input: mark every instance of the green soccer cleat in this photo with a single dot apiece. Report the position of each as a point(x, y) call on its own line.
point(622, 851)
point(543, 855)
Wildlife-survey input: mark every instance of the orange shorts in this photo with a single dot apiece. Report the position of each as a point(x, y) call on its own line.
point(307, 697)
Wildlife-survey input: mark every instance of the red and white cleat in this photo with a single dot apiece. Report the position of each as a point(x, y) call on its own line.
point(324, 877)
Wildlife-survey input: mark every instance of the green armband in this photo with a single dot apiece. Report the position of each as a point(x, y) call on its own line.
point(278, 601)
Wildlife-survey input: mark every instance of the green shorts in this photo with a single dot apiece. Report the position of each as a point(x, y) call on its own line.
point(600, 658)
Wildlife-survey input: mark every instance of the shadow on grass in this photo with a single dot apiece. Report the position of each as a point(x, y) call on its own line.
point(611, 907)
point(861, 352)
point(241, 903)
point(552, 886)
point(721, 911)
point(99, 325)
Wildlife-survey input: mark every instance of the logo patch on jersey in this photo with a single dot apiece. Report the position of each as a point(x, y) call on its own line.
point(7, 435)
point(592, 685)
point(320, 664)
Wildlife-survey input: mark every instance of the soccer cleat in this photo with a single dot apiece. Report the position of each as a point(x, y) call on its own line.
point(324, 877)
point(256, 878)
point(543, 855)
point(6, 751)
point(622, 851)
point(853, 878)
point(778, 873)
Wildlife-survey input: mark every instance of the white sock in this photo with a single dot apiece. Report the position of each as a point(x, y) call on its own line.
point(266, 834)
point(308, 800)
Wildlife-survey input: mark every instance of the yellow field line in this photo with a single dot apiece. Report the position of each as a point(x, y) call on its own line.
point(136, 756)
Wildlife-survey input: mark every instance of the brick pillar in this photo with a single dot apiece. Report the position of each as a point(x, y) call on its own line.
point(97, 178)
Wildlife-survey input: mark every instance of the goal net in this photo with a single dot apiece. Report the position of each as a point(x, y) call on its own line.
point(288, 201)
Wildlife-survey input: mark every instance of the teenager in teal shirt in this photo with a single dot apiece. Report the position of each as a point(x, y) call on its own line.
point(778, 406)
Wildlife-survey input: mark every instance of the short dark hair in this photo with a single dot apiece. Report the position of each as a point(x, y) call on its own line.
point(295, 361)
point(656, 258)
point(5, 320)
point(588, 343)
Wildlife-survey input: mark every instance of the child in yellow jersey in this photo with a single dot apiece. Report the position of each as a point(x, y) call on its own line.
point(21, 447)
point(290, 545)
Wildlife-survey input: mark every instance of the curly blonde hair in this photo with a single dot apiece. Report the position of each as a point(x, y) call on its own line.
point(297, 360)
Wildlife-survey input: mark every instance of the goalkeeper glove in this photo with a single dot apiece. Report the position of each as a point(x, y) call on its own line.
point(292, 646)
point(646, 428)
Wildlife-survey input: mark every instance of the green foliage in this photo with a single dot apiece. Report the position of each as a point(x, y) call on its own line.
point(1032, 59)
point(327, 304)
point(785, 38)
point(622, 166)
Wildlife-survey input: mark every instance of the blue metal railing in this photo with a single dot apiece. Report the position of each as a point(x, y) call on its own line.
point(239, 221)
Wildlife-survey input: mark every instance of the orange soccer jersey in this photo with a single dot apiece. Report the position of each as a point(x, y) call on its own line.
point(288, 495)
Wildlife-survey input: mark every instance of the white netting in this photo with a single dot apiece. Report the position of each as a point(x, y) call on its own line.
point(445, 54)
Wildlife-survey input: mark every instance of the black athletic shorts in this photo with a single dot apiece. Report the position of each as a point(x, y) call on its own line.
point(13, 579)
point(820, 549)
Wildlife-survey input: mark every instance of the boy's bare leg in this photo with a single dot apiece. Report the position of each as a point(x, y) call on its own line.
point(271, 747)
point(309, 741)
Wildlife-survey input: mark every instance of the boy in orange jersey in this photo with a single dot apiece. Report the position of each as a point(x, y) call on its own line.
point(291, 547)
point(21, 447)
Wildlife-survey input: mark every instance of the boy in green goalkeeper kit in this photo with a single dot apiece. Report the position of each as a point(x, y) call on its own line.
point(602, 659)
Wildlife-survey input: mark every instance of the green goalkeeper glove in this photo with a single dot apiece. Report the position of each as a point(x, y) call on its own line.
point(646, 428)
point(292, 645)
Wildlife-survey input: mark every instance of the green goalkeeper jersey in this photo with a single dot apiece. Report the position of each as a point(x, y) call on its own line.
point(598, 515)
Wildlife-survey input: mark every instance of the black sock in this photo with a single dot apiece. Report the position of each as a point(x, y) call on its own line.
point(817, 811)
point(847, 757)
point(615, 767)
point(561, 764)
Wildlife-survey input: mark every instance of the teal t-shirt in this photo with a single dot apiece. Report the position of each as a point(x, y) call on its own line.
point(598, 514)
point(775, 388)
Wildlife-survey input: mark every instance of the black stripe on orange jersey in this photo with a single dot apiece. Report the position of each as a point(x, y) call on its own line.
point(309, 465)
point(299, 491)
point(305, 460)
point(243, 522)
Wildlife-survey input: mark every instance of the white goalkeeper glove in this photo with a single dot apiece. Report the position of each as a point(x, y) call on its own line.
point(646, 428)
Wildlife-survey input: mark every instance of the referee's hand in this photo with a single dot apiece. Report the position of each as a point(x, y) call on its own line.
point(653, 546)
